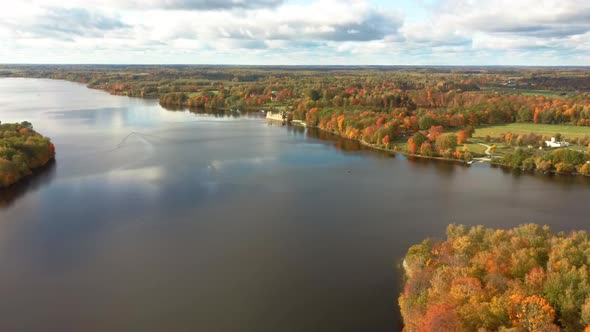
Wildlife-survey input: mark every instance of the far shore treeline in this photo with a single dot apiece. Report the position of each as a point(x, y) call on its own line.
point(431, 111)
point(22, 151)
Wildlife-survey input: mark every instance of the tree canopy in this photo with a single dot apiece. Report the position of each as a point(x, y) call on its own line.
point(523, 279)
point(21, 151)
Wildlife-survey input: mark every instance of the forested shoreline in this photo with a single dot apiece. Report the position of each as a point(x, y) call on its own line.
point(22, 152)
point(523, 279)
point(431, 112)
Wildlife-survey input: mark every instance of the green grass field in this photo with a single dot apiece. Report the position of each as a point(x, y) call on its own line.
point(567, 131)
point(474, 147)
point(526, 92)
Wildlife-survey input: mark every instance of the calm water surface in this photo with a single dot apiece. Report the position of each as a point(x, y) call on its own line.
point(153, 220)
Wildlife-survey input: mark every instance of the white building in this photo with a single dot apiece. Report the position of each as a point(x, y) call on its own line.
point(553, 143)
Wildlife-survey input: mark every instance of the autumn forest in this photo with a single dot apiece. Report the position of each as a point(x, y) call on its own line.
point(523, 279)
point(22, 151)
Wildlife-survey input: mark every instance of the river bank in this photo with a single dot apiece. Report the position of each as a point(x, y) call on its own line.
point(494, 162)
point(382, 149)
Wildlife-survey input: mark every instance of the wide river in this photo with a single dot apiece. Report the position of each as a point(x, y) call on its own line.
point(155, 220)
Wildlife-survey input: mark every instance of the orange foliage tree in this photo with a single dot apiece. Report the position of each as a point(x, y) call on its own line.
point(435, 132)
point(462, 137)
point(533, 313)
point(415, 143)
point(441, 318)
point(385, 141)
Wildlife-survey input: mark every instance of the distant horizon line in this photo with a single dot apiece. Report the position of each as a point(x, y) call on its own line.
point(291, 65)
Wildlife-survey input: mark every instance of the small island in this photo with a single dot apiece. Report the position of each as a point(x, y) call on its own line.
point(479, 279)
point(22, 151)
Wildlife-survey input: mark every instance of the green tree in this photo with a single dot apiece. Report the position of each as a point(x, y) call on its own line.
point(446, 142)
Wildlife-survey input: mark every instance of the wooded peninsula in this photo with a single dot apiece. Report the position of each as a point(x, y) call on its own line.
point(479, 279)
point(22, 151)
point(533, 119)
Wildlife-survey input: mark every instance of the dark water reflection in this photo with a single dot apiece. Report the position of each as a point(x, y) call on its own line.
point(154, 220)
point(40, 177)
point(230, 113)
point(339, 143)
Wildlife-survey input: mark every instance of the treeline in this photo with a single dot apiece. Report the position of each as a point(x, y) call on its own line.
point(553, 81)
point(381, 129)
point(431, 105)
point(450, 109)
point(451, 97)
point(559, 160)
point(479, 279)
point(22, 150)
point(434, 143)
point(536, 140)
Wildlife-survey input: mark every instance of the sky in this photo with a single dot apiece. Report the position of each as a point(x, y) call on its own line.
point(296, 32)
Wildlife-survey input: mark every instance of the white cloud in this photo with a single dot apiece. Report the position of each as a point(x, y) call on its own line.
point(162, 4)
point(508, 22)
point(283, 31)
